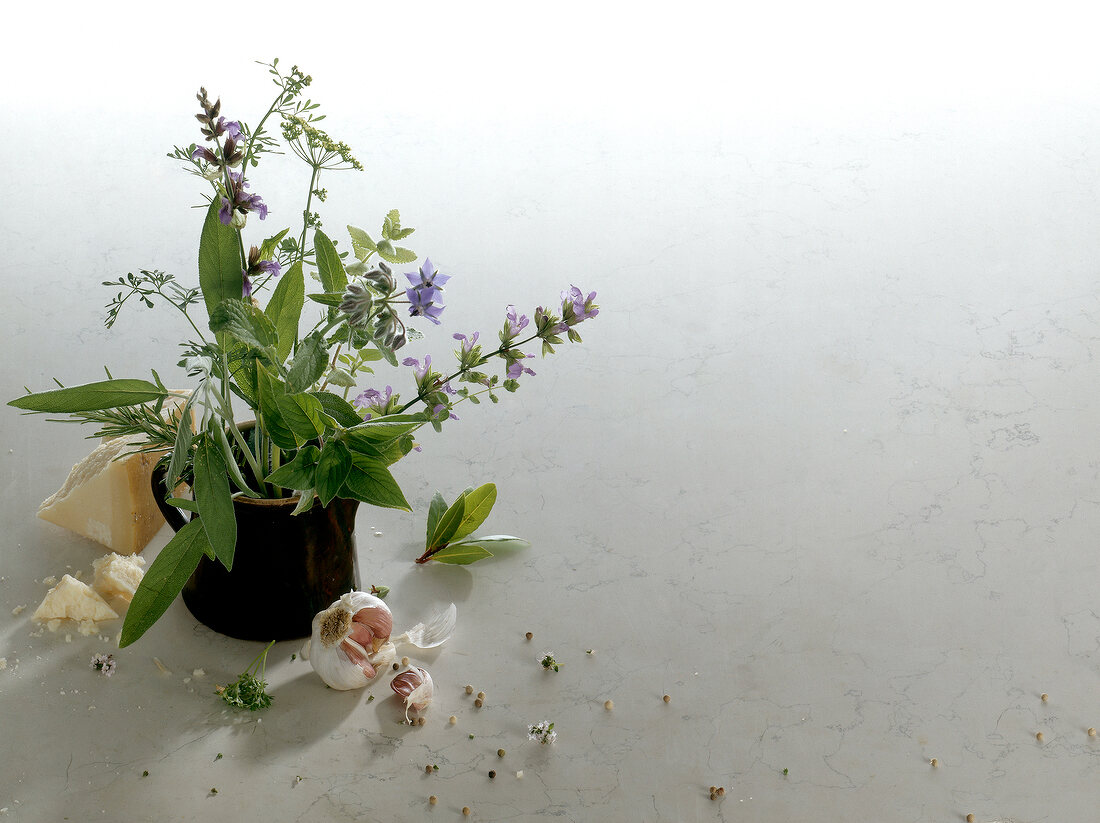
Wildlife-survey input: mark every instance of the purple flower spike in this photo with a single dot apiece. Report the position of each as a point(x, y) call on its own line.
point(205, 154)
point(467, 342)
point(421, 303)
point(232, 128)
point(516, 323)
point(428, 277)
point(516, 368)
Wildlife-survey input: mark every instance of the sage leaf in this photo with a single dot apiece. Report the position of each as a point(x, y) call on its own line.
point(268, 392)
point(165, 579)
point(369, 481)
point(214, 500)
point(461, 554)
point(361, 244)
point(333, 467)
point(305, 502)
point(219, 260)
point(105, 394)
point(505, 541)
point(334, 299)
point(244, 322)
point(478, 504)
point(309, 363)
point(299, 473)
point(284, 309)
point(329, 266)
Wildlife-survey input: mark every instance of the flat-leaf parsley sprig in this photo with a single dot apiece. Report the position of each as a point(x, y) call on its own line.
point(249, 691)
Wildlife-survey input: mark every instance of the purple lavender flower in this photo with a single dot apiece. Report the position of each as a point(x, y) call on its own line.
point(239, 201)
point(468, 343)
point(421, 371)
point(583, 307)
point(246, 286)
point(514, 324)
point(421, 303)
point(378, 402)
point(428, 277)
point(516, 368)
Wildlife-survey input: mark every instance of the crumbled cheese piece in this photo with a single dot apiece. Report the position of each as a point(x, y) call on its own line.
point(3, 663)
point(107, 497)
point(118, 576)
point(49, 581)
point(199, 673)
point(72, 600)
point(18, 610)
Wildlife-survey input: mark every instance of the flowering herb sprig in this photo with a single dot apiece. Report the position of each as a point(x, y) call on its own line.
point(105, 664)
point(542, 733)
point(249, 690)
point(319, 433)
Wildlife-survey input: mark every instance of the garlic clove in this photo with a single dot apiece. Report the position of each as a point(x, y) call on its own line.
point(433, 633)
point(416, 687)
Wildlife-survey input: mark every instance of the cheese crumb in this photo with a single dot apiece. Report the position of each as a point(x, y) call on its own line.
point(49, 581)
point(18, 610)
point(72, 600)
point(118, 576)
point(199, 673)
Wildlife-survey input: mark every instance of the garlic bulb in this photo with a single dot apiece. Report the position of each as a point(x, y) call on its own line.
point(350, 640)
point(416, 687)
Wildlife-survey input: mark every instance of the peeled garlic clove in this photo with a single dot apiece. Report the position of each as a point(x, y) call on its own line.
point(416, 687)
point(346, 637)
point(433, 633)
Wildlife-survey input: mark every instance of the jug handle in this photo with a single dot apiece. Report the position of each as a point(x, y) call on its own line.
point(174, 516)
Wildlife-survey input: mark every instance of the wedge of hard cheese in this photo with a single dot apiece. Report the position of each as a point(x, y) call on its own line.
point(72, 600)
point(107, 497)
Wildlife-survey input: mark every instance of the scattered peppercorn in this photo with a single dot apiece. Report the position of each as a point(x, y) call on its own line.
point(395, 667)
point(529, 635)
point(721, 791)
point(500, 752)
point(1039, 736)
point(970, 818)
point(1092, 732)
point(1044, 697)
point(466, 811)
point(492, 774)
point(433, 799)
point(609, 705)
point(667, 698)
point(479, 702)
point(469, 690)
point(420, 721)
point(427, 770)
point(452, 720)
point(404, 661)
point(481, 695)
point(934, 762)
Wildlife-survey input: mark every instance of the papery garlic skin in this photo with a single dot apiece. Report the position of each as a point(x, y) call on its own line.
point(350, 639)
point(416, 687)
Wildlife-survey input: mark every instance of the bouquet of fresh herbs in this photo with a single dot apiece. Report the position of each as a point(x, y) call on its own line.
point(316, 435)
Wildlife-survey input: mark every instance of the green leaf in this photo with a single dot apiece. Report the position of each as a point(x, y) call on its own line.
point(244, 322)
point(268, 392)
point(219, 260)
point(271, 245)
point(183, 503)
point(164, 580)
point(214, 500)
point(106, 394)
point(334, 299)
point(461, 554)
point(309, 363)
point(302, 414)
point(299, 473)
point(382, 430)
point(231, 466)
point(448, 523)
point(305, 502)
point(506, 541)
point(242, 370)
point(329, 267)
point(284, 309)
point(181, 450)
point(333, 467)
point(371, 482)
point(435, 511)
point(338, 408)
point(361, 243)
point(339, 377)
point(478, 504)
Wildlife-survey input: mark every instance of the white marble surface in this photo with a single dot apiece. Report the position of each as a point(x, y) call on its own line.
point(824, 470)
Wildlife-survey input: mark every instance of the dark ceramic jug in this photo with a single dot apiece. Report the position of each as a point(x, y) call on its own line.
point(285, 568)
